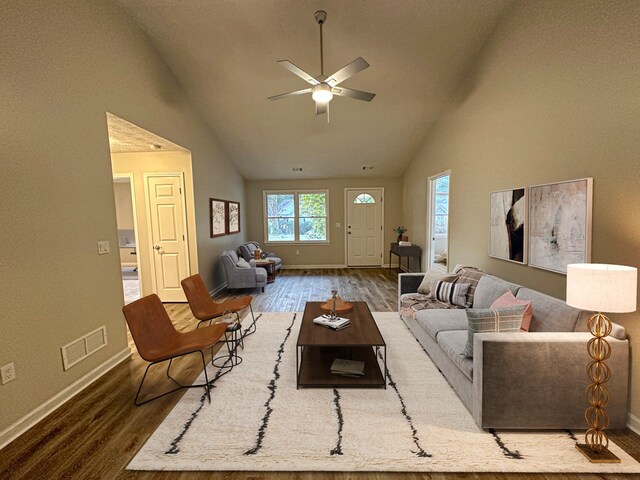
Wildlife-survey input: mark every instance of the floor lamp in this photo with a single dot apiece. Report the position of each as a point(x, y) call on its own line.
point(600, 288)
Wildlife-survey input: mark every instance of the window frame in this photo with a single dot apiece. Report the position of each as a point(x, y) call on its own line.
point(296, 217)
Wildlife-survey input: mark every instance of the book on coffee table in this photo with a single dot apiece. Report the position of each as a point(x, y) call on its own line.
point(337, 323)
point(347, 368)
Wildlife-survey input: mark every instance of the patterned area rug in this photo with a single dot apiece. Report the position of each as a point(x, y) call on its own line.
point(258, 421)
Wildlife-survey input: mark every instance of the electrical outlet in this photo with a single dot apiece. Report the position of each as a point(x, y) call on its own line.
point(103, 247)
point(297, 252)
point(8, 373)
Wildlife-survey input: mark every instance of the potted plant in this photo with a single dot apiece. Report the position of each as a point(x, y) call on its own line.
point(400, 232)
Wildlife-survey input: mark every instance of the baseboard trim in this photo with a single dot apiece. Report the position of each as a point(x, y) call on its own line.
point(19, 427)
point(634, 423)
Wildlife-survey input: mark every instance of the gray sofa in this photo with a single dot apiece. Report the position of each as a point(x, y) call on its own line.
point(533, 380)
point(247, 250)
point(253, 277)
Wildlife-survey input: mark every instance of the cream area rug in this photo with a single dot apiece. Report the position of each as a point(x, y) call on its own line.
point(258, 421)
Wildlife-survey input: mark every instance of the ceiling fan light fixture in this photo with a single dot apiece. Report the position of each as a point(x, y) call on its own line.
point(322, 93)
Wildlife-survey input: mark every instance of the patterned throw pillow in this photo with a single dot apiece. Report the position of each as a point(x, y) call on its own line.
point(429, 277)
point(484, 320)
point(509, 300)
point(453, 293)
point(470, 275)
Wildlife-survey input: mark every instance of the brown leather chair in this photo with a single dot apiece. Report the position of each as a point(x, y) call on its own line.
point(205, 309)
point(157, 340)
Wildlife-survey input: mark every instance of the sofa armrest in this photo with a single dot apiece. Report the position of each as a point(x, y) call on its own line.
point(538, 380)
point(409, 282)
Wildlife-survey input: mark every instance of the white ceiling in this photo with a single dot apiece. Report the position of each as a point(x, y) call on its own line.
point(126, 137)
point(224, 54)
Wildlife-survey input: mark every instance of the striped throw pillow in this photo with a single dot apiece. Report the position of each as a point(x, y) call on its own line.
point(452, 293)
point(485, 320)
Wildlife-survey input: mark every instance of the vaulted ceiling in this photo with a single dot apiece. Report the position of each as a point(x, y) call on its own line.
point(224, 54)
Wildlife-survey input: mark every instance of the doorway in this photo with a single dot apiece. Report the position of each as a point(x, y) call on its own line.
point(438, 222)
point(365, 226)
point(160, 173)
point(123, 190)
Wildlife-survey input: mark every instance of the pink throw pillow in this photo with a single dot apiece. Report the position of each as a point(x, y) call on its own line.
point(508, 300)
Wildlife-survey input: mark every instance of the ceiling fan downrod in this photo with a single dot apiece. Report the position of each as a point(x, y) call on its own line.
point(321, 17)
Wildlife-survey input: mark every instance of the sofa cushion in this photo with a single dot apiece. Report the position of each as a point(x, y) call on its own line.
point(411, 303)
point(490, 288)
point(509, 300)
point(436, 321)
point(484, 320)
point(472, 276)
point(242, 263)
point(453, 293)
point(549, 313)
point(453, 343)
point(430, 276)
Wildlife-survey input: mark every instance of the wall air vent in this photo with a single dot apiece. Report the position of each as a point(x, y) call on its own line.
point(367, 167)
point(297, 169)
point(84, 346)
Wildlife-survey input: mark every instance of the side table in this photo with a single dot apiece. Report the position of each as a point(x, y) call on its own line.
point(408, 251)
point(270, 267)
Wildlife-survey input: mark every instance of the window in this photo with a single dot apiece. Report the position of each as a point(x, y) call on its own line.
point(441, 214)
point(364, 198)
point(296, 217)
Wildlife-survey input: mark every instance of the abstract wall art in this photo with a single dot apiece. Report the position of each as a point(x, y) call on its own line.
point(560, 224)
point(508, 225)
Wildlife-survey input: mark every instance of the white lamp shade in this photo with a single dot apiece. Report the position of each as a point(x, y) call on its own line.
point(602, 288)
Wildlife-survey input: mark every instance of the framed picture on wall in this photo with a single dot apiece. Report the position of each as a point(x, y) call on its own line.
point(508, 225)
point(217, 217)
point(233, 217)
point(560, 224)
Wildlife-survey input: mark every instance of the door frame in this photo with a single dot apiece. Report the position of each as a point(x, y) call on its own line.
point(152, 264)
point(346, 213)
point(134, 206)
point(430, 223)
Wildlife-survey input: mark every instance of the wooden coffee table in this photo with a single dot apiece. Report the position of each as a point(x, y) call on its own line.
point(318, 347)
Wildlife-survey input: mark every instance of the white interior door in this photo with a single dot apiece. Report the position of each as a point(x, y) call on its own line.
point(168, 233)
point(364, 227)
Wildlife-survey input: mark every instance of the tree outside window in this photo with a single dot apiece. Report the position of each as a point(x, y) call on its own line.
point(296, 216)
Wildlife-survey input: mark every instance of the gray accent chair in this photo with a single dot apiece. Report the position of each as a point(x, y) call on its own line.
point(246, 252)
point(532, 380)
point(254, 277)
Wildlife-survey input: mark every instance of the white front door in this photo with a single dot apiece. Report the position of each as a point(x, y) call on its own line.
point(167, 228)
point(364, 227)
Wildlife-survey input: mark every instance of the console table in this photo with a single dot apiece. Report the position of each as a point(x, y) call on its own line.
point(408, 251)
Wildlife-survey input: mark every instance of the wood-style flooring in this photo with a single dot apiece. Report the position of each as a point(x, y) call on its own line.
point(95, 434)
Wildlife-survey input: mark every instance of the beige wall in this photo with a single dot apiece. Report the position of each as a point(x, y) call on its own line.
point(124, 209)
point(553, 96)
point(64, 64)
point(333, 253)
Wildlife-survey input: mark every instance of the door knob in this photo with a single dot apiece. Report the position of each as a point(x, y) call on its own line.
point(156, 247)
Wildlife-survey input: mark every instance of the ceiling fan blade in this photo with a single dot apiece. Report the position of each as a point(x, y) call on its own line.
point(290, 94)
point(349, 92)
point(299, 72)
point(321, 108)
point(347, 71)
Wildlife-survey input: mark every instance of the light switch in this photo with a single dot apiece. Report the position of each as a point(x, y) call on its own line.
point(103, 247)
point(337, 224)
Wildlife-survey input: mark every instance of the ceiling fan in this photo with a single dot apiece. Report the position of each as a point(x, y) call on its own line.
point(324, 88)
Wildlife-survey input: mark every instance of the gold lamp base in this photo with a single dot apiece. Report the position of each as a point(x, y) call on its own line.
point(603, 457)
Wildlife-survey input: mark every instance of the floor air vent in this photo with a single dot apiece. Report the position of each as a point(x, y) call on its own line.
point(84, 346)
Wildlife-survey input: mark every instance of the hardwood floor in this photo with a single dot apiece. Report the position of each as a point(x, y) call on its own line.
point(94, 435)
